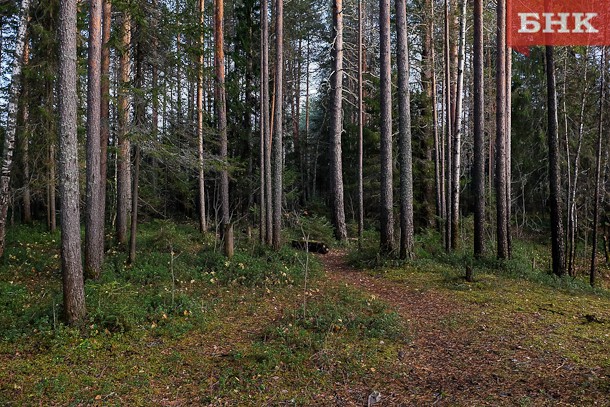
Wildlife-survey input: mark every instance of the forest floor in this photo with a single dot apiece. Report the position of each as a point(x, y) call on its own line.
point(187, 327)
point(473, 346)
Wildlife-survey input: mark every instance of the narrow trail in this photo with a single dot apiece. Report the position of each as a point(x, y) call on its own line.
point(455, 356)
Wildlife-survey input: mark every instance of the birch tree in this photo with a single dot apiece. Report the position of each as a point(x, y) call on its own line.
point(11, 125)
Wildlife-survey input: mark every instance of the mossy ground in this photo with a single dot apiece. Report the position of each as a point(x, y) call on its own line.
point(184, 326)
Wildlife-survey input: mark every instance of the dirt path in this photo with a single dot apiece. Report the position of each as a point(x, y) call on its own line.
point(448, 362)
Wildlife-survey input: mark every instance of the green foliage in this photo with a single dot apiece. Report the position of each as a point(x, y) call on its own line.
point(346, 310)
point(263, 268)
point(310, 224)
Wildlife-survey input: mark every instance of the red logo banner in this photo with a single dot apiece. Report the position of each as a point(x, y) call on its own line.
point(558, 22)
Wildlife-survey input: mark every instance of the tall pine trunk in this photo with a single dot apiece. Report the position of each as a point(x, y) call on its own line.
point(278, 164)
point(386, 215)
point(404, 133)
point(139, 117)
point(479, 132)
point(94, 223)
point(265, 114)
point(11, 125)
point(221, 112)
point(264, 120)
point(72, 271)
point(500, 181)
point(598, 165)
point(105, 102)
point(200, 163)
point(360, 128)
point(123, 180)
point(336, 167)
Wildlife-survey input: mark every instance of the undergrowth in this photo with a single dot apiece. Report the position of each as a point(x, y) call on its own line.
point(181, 304)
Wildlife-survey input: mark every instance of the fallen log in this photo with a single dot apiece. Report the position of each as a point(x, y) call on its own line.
point(311, 246)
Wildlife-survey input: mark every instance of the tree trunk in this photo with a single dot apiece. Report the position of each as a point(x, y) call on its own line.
point(264, 123)
point(277, 129)
point(509, 194)
point(202, 216)
point(429, 84)
point(448, 131)
point(457, 134)
point(72, 271)
point(501, 210)
point(265, 113)
point(139, 117)
point(598, 164)
point(123, 143)
point(571, 222)
point(386, 215)
point(94, 224)
point(554, 171)
point(51, 208)
point(360, 126)
point(336, 128)
point(105, 102)
point(479, 133)
point(25, 145)
point(11, 125)
point(404, 133)
point(134, 207)
point(221, 111)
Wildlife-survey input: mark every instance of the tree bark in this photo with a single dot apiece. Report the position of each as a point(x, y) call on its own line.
point(404, 133)
point(554, 170)
point(51, 208)
point(221, 111)
point(598, 165)
point(386, 215)
point(509, 194)
point(105, 102)
point(264, 120)
point(448, 130)
point(94, 224)
point(500, 181)
point(479, 133)
point(11, 125)
point(265, 114)
point(134, 207)
point(123, 143)
point(277, 130)
point(572, 218)
point(336, 167)
point(139, 118)
point(360, 126)
point(72, 271)
point(25, 144)
point(457, 133)
point(202, 210)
